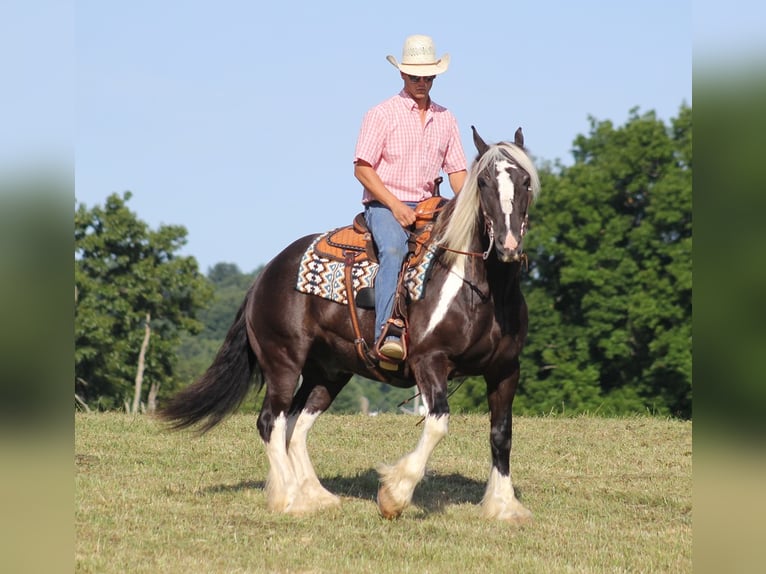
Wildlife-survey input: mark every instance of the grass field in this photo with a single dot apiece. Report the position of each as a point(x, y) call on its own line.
point(608, 495)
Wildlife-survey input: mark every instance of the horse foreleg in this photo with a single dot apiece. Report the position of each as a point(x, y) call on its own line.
point(500, 500)
point(398, 482)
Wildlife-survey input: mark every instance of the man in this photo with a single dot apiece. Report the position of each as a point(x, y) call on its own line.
point(403, 144)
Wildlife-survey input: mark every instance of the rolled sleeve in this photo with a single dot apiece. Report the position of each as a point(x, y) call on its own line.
point(454, 159)
point(372, 137)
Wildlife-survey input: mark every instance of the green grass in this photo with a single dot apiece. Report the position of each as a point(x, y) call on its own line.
point(608, 495)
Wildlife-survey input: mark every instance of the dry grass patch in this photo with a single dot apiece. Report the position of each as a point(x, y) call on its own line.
point(609, 495)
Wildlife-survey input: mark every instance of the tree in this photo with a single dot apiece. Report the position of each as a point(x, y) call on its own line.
point(376, 396)
point(134, 296)
point(197, 351)
point(609, 283)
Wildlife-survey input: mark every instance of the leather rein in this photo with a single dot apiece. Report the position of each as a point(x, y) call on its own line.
point(490, 231)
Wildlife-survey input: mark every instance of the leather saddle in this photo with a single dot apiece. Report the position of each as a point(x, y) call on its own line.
point(356, 239)
point(354, 244)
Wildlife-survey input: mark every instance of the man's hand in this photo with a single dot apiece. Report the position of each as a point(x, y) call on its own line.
point(370, 179)
point(404, 214)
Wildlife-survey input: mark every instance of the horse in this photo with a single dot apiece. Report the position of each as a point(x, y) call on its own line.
point(472, 320)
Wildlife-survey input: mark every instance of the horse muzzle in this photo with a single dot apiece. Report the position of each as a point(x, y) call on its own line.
point(511, 250)
point(512, 257)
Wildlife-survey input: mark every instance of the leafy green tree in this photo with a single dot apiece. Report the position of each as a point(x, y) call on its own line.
point(468, 395)
point(374, 396)
point(608, 286)
point(197, 351)
point(134, 297)
point(609, 283)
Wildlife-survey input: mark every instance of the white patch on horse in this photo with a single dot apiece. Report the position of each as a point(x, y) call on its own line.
point(280, 485)
point(500, 500)
point(450, 289)
point(506, 189)
point(399, 481)
point(310, 495)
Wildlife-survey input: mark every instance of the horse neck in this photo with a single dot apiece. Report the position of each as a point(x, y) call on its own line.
point(493, 277)
point(502, 278)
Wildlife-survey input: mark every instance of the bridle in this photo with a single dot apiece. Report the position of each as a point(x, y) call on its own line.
point(489, 230)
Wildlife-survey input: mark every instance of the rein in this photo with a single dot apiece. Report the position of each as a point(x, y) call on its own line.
point(485, 254)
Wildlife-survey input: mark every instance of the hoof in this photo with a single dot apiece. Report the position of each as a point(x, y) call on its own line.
point(519, 518)
point(388, 507)
point(310, 504)
point(303, 507)
point(517, 515)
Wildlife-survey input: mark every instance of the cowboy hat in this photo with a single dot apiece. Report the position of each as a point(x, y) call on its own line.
point(419, 57)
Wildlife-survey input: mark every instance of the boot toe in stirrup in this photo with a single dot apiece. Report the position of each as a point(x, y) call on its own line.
point(392, 349)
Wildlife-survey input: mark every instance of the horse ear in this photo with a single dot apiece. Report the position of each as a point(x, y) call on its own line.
point(518, 138)
point(478, 142)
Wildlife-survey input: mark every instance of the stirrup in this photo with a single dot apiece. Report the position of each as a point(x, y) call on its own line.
point(394, 327)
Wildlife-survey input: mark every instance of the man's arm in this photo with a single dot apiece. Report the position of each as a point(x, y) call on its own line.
point(456, 180)
point(371, 181)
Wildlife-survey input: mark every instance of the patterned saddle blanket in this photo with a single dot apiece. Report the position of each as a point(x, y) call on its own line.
point(323, 275)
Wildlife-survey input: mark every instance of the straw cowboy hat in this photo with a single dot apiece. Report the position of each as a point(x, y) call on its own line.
point(419, 57)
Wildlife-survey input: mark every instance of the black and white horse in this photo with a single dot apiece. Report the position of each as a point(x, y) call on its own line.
point(471, 320)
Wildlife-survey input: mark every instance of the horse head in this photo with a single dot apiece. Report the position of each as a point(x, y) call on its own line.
point(507, 184)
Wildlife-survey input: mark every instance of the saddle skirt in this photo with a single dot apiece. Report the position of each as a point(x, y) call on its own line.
point(354, 238)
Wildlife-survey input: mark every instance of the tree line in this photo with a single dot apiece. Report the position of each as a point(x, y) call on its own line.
point(608, 286)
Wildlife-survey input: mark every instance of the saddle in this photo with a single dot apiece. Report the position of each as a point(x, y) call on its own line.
point(354, 244)
point(357, 238)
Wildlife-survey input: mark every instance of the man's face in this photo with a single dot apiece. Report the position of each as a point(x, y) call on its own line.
point(418, 86)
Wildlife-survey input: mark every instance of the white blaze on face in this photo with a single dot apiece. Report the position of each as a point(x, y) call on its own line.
point(507, 191)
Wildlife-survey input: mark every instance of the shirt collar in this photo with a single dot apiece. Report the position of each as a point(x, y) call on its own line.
point(411, 103)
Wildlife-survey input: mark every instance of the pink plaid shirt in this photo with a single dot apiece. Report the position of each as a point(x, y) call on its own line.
point(405, 154)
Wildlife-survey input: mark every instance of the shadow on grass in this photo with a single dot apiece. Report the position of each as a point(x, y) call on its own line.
point(432, 495)
point(238, 487)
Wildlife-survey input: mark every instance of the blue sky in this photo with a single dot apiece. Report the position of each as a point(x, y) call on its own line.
point(238, 119)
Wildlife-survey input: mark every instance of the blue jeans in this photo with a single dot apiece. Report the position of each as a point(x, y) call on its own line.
point(391, 241)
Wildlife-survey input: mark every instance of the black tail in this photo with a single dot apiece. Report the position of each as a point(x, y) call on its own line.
point(222, 388)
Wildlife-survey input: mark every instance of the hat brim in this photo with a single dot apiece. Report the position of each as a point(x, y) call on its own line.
point(438, 67)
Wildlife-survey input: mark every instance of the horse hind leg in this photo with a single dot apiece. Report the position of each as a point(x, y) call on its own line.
point(310, 402)
point(281, 483)
point(310, 496)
